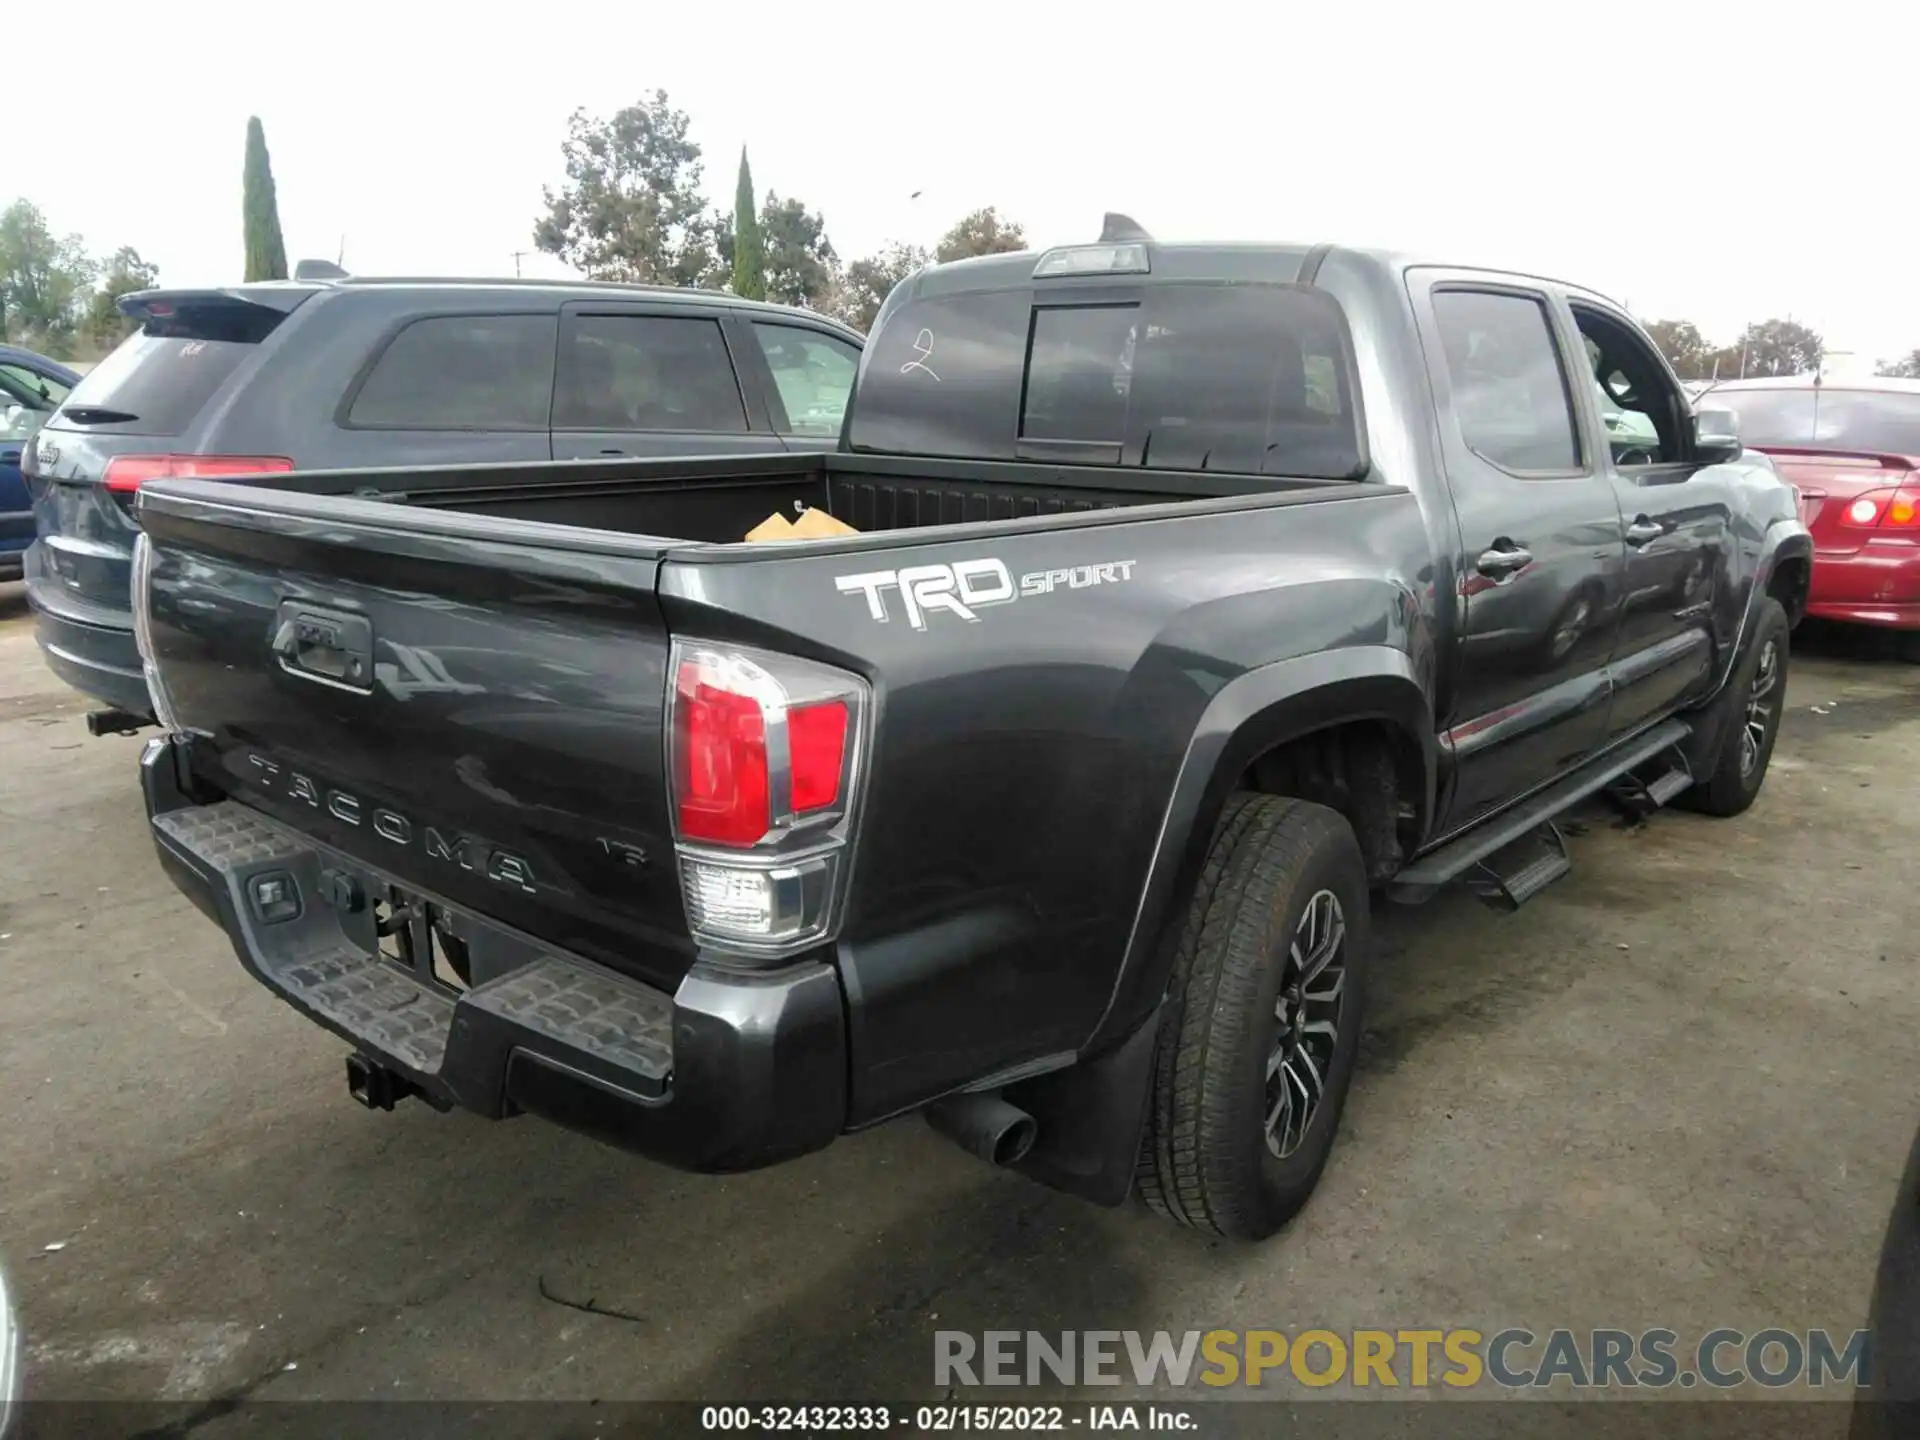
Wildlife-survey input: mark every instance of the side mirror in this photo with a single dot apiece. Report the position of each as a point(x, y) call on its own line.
point(1716, 435)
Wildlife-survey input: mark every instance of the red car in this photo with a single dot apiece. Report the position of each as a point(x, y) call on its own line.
point(1853, 448)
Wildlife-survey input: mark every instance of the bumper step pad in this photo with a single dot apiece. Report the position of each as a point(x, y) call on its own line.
point(555, 1005)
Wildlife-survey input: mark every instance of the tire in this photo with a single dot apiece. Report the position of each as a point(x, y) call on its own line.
point(1736, 777)
point(1206, 1159)
point(1906, 645)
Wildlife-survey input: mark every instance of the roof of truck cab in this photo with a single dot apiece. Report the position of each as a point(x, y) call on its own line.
point(1252, 262)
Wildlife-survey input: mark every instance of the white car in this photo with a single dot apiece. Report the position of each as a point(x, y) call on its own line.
point(1626, 429)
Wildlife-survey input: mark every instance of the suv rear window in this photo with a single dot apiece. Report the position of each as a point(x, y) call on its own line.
point(1824, 418)
point(162, 376)
point(1253, 379)
point(461, 372)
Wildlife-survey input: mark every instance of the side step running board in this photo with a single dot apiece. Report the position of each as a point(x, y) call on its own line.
point(1427, 874)
point(1510, 877)
point(1640, 797)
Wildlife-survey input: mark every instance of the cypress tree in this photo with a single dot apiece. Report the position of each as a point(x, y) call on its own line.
point(266, 251)
point(749, 258)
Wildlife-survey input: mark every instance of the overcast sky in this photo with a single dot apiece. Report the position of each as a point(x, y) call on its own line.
point(1716, 162)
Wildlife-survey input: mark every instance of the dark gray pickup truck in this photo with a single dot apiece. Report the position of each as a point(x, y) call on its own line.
point(1202, 596)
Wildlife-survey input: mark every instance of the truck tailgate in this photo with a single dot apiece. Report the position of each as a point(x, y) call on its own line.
point(484, 723)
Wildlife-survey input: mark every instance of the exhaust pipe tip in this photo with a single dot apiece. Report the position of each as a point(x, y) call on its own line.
point(985, 1126)
point(1017, 1140)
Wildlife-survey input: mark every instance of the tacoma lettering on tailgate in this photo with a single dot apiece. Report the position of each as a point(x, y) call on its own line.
point(469, 852)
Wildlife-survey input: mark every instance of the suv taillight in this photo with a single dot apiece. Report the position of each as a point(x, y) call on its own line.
point(764, 754)
point(127, 473)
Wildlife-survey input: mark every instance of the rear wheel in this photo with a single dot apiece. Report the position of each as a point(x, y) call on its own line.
point(1750, 711)
point(1257, 1047)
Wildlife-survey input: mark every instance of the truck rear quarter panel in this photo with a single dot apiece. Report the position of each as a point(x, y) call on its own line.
point(1026, 750)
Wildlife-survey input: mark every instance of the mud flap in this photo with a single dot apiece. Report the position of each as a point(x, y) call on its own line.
point(1090, 1119)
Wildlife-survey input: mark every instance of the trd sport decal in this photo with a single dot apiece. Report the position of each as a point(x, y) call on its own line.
point(969, 585)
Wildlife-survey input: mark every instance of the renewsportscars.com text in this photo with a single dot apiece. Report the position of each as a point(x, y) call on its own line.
point(1514, 1358)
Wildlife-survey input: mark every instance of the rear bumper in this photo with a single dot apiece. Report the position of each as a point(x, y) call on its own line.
point(94, 651)
point(731, 1072)
point(1878, 584)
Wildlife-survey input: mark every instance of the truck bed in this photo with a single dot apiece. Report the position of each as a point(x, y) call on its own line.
point(717, 500)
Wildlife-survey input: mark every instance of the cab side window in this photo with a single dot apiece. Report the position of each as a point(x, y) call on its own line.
point(1509, 387)
point(1642, 412)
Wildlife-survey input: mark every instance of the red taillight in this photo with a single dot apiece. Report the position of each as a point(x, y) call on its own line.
point(744, 722)
point(720, 761)
point(817, 749)
point(764, 753)
point(127, 473)
point(1882, 509)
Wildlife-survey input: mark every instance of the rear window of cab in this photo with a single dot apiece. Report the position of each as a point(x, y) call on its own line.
point(1247, 379)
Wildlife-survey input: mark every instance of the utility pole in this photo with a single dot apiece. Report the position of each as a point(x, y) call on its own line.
point(516, 261)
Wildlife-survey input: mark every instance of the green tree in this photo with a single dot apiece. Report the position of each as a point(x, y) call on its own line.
point(44, 280)
point(1773, 347)
point(749, 259)
point(981, 233)
point(1905, 368)
point(800, 258)
point(126, 272)
point(868, 281)
point(631, 207)
point(799, 264)
point(260, 209)
point(1684, 346)
point(1721, 363)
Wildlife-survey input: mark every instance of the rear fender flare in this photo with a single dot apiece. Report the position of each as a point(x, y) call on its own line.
point(1249, 715)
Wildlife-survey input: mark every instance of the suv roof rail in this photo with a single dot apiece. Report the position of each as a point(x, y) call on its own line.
point(536, 282)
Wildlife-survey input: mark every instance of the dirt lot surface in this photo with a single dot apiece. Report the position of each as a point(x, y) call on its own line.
point(1676, 1090)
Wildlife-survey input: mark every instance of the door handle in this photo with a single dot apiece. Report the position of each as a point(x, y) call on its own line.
point(1504, 560)
point(1644, 531)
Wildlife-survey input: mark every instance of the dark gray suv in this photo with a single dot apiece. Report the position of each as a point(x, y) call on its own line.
point(351, 372)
